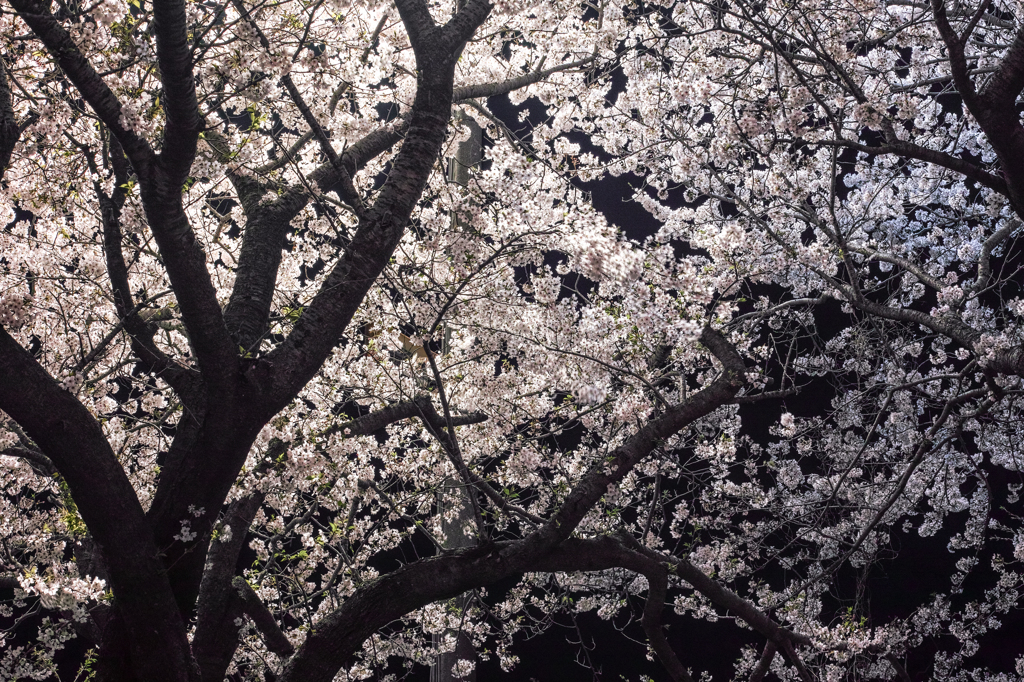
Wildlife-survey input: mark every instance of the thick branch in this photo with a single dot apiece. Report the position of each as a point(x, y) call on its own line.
point(74, 441)
point(764, 663)
point(794, 658)
point(340, 634)
point(419, 25)
point(727, 599)
point(1006, 83)
point(377, 420)
point(209, 448)
point(994, 109)
point(248, 310)
point(264, 620)
point(471, 14)
point(10, 131)
point(504, 87)
point(78, 69)
point(657, 588)
point(219, 605)
point(621, 460)
point(317, 331)
point(267, 226)
point(161, 191)
point(185, 262)
point(181, 107)
point(955, 51)
point(141, 334)
point(377, 603)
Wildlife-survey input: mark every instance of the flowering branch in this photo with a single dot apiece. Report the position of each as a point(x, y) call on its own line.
point(74, 442)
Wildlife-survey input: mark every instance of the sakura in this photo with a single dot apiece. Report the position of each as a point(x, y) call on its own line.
point(290, 290)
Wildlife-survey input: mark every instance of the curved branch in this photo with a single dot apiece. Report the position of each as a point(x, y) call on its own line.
point(994, 108)
point(764, 663)
point(420, 406)
point(955, 51)
point(218, 605)
point(623, 551)
point(723, 597)
point(160, 182)
point(85, 362)
point(985, 257)
point(937, 158)
point(911, 267)
point(899, 667)
point(90, 85)
point(1003, 361)
point(185, 262)
point(423, 407)
point(620, 461)
point(504, 87)
point(435, 423)
point(657, 588)
point(248, 309)
point(264, 620)
point(317, 331)
point(184, 122)
point(141, 334)
point(40, 463)
point(73, 440)
point(339, 635)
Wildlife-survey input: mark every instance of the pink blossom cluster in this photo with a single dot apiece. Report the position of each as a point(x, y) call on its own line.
point(15, 309)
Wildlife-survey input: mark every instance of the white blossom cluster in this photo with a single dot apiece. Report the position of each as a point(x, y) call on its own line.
point(804, 183)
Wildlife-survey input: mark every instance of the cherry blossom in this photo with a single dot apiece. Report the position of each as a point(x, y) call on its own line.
point(264, 328)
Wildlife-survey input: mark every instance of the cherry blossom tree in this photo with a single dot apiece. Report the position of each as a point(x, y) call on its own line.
point(294, 387)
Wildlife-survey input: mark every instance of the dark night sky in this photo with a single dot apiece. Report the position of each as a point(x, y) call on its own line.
point(915, 569)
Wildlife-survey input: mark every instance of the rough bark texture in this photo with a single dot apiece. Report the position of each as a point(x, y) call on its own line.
point(9, 130)
point(74, 441)
point(160, 582)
